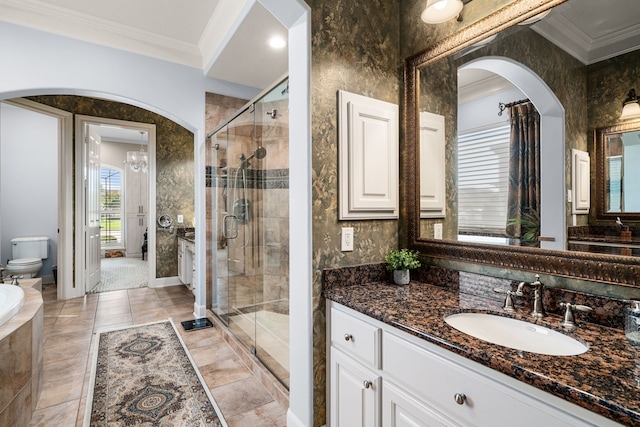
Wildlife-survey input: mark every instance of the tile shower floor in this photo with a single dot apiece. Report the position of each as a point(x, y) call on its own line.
point(70, 328)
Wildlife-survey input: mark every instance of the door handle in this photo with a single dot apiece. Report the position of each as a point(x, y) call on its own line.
point(230, 232)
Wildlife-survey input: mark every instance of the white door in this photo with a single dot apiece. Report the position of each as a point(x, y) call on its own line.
point(92, 208)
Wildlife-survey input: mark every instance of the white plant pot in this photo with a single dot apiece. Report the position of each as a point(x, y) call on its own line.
point(401, 277)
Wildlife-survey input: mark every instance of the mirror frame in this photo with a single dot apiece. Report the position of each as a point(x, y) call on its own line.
point(620, 270)
point(599, 142)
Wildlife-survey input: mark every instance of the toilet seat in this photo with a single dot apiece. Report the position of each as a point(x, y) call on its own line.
point(26, 267)
point(24, 262)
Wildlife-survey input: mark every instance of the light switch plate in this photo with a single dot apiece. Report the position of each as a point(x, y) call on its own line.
point(180, 219)
point(437, 231)
point(347, 239)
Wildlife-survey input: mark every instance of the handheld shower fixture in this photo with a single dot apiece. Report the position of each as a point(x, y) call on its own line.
point(259, 153)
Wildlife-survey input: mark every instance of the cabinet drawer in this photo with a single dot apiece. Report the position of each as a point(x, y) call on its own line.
point(436, 381)
point(356, 337)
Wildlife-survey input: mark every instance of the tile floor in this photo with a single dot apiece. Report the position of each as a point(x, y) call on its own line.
point(69, 339)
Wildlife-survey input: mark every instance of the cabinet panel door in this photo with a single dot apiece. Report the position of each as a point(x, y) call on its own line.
point(135, 228)
point(401, 410)
point(353, 403)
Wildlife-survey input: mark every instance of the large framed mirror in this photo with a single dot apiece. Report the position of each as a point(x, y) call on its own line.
point(500, 55)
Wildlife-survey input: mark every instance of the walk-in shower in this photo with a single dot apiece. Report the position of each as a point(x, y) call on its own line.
point(251, 223)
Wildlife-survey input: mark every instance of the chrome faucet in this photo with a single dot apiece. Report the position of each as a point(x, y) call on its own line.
point(538, 286)
point(14, 279)
point(568, 321)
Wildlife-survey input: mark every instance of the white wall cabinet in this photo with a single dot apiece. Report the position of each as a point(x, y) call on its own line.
point(136, 205)
point(368, 159)
point(421, 384)
point(432, 166)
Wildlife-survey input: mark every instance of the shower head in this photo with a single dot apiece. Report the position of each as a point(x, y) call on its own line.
point(259, 153)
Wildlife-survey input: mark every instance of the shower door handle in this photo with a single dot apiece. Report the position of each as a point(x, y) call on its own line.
point(227, 231)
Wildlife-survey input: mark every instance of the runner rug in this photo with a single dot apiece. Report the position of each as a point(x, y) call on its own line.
point(144, 376)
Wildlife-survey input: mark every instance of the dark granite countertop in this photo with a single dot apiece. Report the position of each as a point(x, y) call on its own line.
point(605, 379)
point(188, 234)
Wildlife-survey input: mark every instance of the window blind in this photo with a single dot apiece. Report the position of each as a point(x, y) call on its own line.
point(483, 180)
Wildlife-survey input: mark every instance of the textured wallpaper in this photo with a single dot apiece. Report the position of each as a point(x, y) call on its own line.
point(355, 48)
point(174, 165)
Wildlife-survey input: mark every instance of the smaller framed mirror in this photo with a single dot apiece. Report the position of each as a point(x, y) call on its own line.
point(617, 178)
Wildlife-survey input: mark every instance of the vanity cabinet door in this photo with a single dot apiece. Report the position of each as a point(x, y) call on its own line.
point(354, 393)
point(181, 260)
point(402, 410)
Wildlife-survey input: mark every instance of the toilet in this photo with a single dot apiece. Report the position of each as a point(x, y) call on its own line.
point(27, 253)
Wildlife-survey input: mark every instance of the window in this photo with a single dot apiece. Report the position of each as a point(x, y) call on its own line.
point(483, 181)
point(110, 207)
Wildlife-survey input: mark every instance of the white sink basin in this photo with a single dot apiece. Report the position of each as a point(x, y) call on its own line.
point(516, 334)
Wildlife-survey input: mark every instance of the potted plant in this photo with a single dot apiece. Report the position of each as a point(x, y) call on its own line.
point(400, 261)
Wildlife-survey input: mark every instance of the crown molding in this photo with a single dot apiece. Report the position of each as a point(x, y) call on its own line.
point(46, 17)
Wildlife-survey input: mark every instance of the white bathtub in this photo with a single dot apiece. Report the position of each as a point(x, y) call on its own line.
point(11, 300)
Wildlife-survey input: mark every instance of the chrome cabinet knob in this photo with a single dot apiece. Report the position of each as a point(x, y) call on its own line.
point(348, 337)
point(367, 384)
point(460, 398)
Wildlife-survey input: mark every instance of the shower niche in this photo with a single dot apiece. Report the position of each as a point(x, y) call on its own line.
point(251, 223)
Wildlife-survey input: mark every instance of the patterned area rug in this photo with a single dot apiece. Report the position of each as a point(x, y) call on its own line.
point(122, 273)
point(144, 376)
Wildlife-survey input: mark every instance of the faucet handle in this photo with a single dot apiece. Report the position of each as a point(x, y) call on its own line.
point(568, 321)
point(508, 300)
point(14, 279)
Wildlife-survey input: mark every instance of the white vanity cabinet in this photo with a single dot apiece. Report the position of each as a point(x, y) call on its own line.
point(421, 384)
point(186, 262)
point(355, 371)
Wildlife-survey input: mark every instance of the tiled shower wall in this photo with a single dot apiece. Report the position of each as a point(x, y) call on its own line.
point(263, 244)
point(218, 109)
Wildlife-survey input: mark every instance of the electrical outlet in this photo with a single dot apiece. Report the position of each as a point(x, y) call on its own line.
point(437, 231)
point(180, 219)
point(347, 239)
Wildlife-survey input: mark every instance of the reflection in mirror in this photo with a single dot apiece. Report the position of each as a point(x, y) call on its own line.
point(613, 230)
point(622, 175)
point(507, 177)
point(589, 87)
point(617, 200)
point(618, 172)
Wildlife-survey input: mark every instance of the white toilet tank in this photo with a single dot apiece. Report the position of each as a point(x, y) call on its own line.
point(30, 247)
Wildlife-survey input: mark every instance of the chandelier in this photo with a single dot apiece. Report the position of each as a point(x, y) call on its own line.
point(138, 160)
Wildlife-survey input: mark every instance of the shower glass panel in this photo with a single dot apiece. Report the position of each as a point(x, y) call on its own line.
point(251, 294)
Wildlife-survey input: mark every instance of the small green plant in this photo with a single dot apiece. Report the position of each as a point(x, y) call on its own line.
point(402, 259)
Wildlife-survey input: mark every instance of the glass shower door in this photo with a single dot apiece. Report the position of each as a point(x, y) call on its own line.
point(251, 294)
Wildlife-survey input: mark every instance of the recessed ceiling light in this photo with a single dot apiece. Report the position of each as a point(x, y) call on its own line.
point(277, 42)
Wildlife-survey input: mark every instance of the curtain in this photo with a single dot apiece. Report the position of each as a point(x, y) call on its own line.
point(523, 219)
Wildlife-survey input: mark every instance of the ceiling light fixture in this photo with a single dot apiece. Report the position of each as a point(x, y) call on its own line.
point(138, 160)
point(277, 42)
point(630, 106)
point(438, 11)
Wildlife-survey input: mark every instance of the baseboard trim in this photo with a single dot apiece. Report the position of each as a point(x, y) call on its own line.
point(163, 282)
point(199, 310)
point(293, 421)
